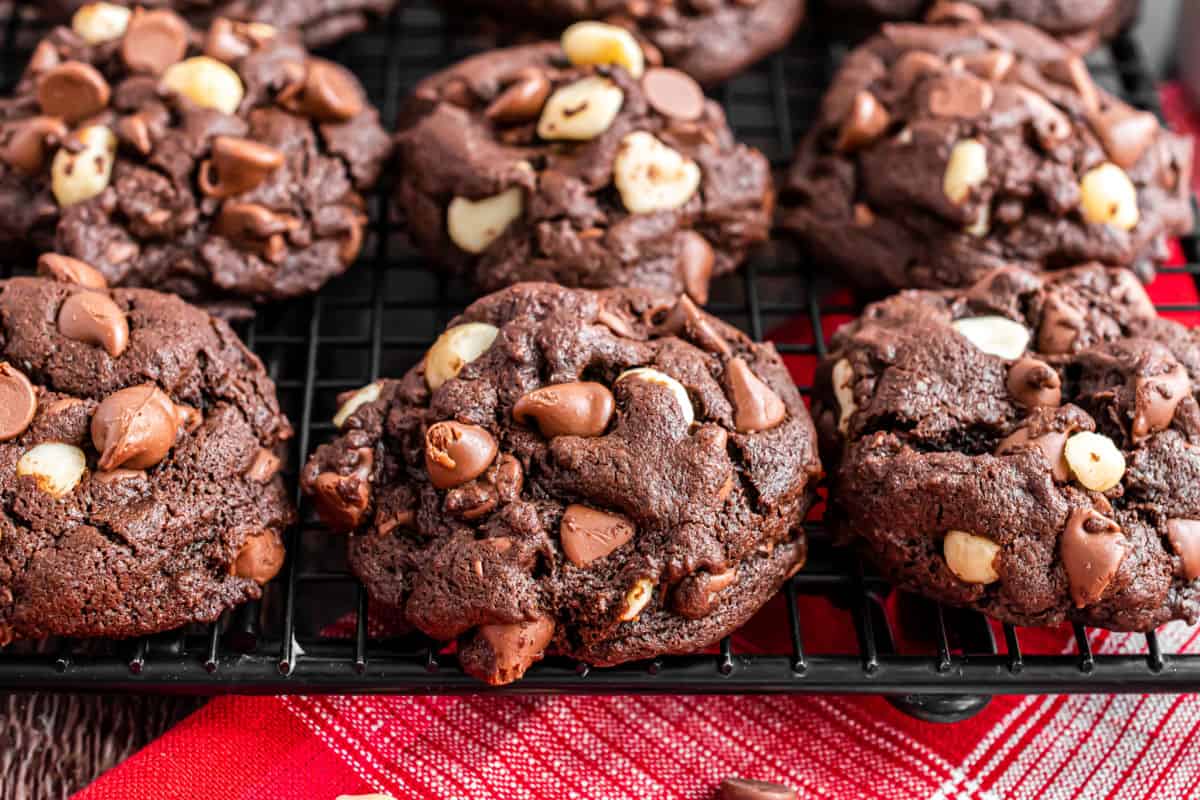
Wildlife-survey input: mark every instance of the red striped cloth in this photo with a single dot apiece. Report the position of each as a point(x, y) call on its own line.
point(1036, 747)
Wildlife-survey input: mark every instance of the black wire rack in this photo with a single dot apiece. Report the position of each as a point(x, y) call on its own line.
point(313, 632)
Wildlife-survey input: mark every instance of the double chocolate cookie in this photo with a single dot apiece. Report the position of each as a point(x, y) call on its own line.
point(944, 151)
point(1078, 24)
point(613, 475)
point(1029, 447)
point(578, 164)
point(320, 22)
point(218, 164)
point(711, 40)
point(139, 455)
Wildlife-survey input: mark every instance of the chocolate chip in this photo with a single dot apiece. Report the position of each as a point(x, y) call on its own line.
point(135, 131)
point(264, 467)
point(1155, 401)
point(588, 535)
point(913, 66)
point(93, 317)
point(135, 428)
point(684, 318)
point(1126, 133)
point(1053, 446)
point(154, 41)
point(756, 406)
point(1035, 384)
point(673, 93)
point(1061, 324)
point(993, 65)
point(958, 96)
point(1073, 72)
point(744, 789)
point(456, 453)
point(230, 41)
point(327, 92)
point(1092, 549)
point(73, 91)
point(18, 402)
point(523, 100)
point(698, 595)
point(513, 648)
point(1184, 535)
point(44, 57)
point(696, 259)
point(260, 557)
point(25, 144)
point(865, 123)
point(567, 409)
point(342, 500)
point(65, 269)
point(255, 227)
point(240, 165)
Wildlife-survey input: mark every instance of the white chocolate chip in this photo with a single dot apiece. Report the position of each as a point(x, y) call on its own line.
point(966, 169)
point(206, 82)
point(1108, 197)
point(843, 390)
point(1095, 461)
point(456, 348)
point(587, 43)
point(475, 224)
point(56, 467)
point(636, 599)
point(996, 336)
point(662, 379)
point(100, 22)
point(651, 176)
point(971, 558)
point(367, 394)
point(85, 173)
point(581, 110)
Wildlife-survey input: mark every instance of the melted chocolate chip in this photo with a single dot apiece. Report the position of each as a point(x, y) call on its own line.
point(1092, 549)
point(588, 535)
point(567, 409)
point(18, 402)
point(93, 317)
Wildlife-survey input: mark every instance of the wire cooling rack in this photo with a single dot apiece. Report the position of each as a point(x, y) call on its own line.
point(312, 632)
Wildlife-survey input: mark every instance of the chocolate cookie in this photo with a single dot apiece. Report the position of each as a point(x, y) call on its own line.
point(613, 475)
point(1029, 447)
point(140, 445)
point(320, 22)
point(711, 40)
point(520, 165)
point(944, 151)
point(216, 164)
point(1078, 24)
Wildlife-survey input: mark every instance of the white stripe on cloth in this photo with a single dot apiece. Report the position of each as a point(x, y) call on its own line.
point(1090, 746)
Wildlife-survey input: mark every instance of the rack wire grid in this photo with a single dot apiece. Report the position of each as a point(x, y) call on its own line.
point(312, 631)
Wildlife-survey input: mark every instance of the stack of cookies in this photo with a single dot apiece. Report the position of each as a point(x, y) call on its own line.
point(585, 462)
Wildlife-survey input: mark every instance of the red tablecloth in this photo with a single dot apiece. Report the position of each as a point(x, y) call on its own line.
point(317, 748)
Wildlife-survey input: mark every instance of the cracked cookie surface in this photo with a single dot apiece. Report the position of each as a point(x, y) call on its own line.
point(140, 445)
point(943, 151)
point(612, 475)
point(321, 22)
point(1079, 24)
point(1026, 447)
point(711, 40)
point(517, 165)
point(219, 164)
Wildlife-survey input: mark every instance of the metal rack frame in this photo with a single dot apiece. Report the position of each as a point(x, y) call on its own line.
point(378, 319)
